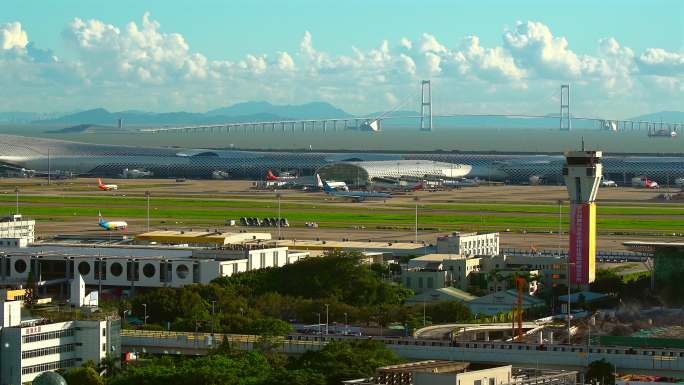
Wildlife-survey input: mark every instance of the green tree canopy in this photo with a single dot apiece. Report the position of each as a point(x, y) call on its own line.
point(84, 375)
point(347, 360)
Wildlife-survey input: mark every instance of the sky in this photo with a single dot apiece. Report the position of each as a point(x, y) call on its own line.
point(621, 58)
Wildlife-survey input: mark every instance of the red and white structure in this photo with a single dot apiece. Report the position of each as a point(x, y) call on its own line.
point(582, 172)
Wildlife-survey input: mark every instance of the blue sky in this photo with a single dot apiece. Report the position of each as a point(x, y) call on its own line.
point(626, 56)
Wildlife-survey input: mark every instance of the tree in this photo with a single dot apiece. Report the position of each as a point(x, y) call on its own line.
point(602, 372)
point(84, 375)
point(346, 360)
point(448, 311)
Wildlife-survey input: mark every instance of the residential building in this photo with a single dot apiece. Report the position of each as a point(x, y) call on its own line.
point(469, 244)
point(34, 346)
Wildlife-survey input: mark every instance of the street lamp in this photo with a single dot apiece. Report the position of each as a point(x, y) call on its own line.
point(327, 307)
point(568, 276)
point(16, 191)
point(346, 328)
point(145, 314)
point(319, 323)
point(147, 195)
point(213, 303)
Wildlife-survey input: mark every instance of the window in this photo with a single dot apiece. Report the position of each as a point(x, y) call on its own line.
point(48, 366)
point(47, 351)
point(492, 381)
point(430, 282)
point(420, 282)
point(104, 332)
point(48, 335)
point(104, 347)
point(477, 382)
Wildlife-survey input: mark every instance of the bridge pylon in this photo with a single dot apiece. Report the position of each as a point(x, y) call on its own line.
point(425, 106)
point(565, 123)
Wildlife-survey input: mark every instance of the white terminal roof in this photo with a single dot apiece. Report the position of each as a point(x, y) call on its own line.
point(394, 169)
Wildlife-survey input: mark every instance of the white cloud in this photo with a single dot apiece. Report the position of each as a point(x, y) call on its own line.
point(658, 61)
point(12, 36)
point(141, 66)
point(285, 62)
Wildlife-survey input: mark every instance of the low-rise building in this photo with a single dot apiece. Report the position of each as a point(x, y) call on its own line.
point(440, 295)
point(502, 302)
point(15, 231)
point(434, 372)
point(34, 346)
point(130, 267)
point(552, 270)
point(469, 244)
point(455, 268)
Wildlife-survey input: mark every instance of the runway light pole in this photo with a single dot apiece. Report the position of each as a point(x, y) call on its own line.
point(327, 307)
point(16, 191)
point(415, 199)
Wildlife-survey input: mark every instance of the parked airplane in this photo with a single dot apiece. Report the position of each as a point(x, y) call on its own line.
point(334, 185)
point(643, 181)
point(679, 182)
point(111, 225)
point(106, 187)
point(285, 177)
point(356, 196)
point(608, 183)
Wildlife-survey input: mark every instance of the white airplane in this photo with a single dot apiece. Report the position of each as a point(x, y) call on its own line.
point(106, 187)
point(608, 183)
point(332, 184)
point(111, 225)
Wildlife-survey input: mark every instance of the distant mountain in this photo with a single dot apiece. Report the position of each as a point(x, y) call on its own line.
point(315, 110)
point(100, 116)
point(665, 116)
point(241, 112)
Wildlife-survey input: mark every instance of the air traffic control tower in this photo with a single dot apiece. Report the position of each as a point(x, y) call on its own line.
point(582, 172)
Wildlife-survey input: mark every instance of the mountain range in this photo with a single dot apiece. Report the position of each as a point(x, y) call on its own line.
point(265, 111)
point(241, 112)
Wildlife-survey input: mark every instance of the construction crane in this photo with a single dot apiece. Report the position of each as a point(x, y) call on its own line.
point(521, 284)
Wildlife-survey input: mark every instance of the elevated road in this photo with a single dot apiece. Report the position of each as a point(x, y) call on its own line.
point(653, 361)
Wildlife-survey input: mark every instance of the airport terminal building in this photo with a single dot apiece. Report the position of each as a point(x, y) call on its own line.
point(30, 155)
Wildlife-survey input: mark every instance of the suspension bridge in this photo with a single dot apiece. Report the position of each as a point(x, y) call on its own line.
point(424, 120)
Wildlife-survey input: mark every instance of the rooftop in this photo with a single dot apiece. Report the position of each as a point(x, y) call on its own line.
point(201, 237)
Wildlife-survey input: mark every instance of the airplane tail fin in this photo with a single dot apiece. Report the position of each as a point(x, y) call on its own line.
point(99, 181)
point(319, 183)
point(418, 186)
point(99, 217)
point(270, 176)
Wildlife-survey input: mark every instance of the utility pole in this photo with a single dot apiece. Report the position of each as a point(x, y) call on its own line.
point(560, 225)
point(346, 328)
point(49, 171)
point(423, 313)
point(145, 314)
point(16, 191)
point(327, 307)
